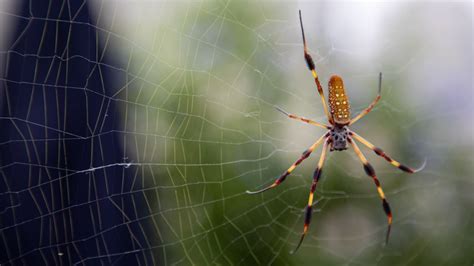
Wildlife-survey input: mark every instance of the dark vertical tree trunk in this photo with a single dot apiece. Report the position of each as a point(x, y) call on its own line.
point(62, 180)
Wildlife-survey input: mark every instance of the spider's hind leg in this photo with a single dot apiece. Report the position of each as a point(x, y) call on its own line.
point(311, 67)
point(372, 105)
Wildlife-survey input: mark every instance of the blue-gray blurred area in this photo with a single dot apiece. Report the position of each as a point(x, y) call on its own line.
point(63, 197)
point(130, 131)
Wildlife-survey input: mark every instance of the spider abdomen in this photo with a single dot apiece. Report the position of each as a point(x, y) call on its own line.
point(338, 101)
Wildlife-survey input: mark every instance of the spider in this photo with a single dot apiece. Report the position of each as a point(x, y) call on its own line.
point(337, 138)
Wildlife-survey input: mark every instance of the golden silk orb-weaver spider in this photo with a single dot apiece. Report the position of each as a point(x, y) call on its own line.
point(336, 138)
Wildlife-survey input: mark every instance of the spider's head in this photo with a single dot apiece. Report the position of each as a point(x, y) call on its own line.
point(339, 138)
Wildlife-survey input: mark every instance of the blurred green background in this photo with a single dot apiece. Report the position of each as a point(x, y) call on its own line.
point(203, 80)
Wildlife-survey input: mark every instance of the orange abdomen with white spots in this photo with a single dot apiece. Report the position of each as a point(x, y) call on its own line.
point(338, 101)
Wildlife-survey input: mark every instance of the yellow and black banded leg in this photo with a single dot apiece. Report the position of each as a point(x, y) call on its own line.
point(309, 207)
point(371, 106)
point(381, 153)
point(283, 176)
point(369, 170)
point(302, 119)
point(311, 66)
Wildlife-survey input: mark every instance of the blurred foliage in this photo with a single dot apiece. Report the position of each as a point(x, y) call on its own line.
point(199, 109)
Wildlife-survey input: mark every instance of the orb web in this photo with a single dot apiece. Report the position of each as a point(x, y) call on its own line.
point(131, 131)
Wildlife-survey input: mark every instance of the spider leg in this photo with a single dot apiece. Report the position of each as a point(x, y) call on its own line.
point(316, 176)
point(283, 176)
point(374, 102)
point(381, 153)
point(302, 119)
point(369, 170)
point(311, 66)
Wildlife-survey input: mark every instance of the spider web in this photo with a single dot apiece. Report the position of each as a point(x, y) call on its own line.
point(131, 130)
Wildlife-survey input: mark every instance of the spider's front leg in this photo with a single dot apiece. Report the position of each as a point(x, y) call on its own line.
point(309, 207)
point(369, 170)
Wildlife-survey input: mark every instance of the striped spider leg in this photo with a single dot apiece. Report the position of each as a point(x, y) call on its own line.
point(371, 105)
point(302, 119)
point(309, 207)
point(382, 154)
point(312, 68)
point(369, 170)
point(283, 176)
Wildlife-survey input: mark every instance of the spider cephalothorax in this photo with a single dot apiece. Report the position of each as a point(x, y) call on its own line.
point(339, 136)
point(336, 138)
